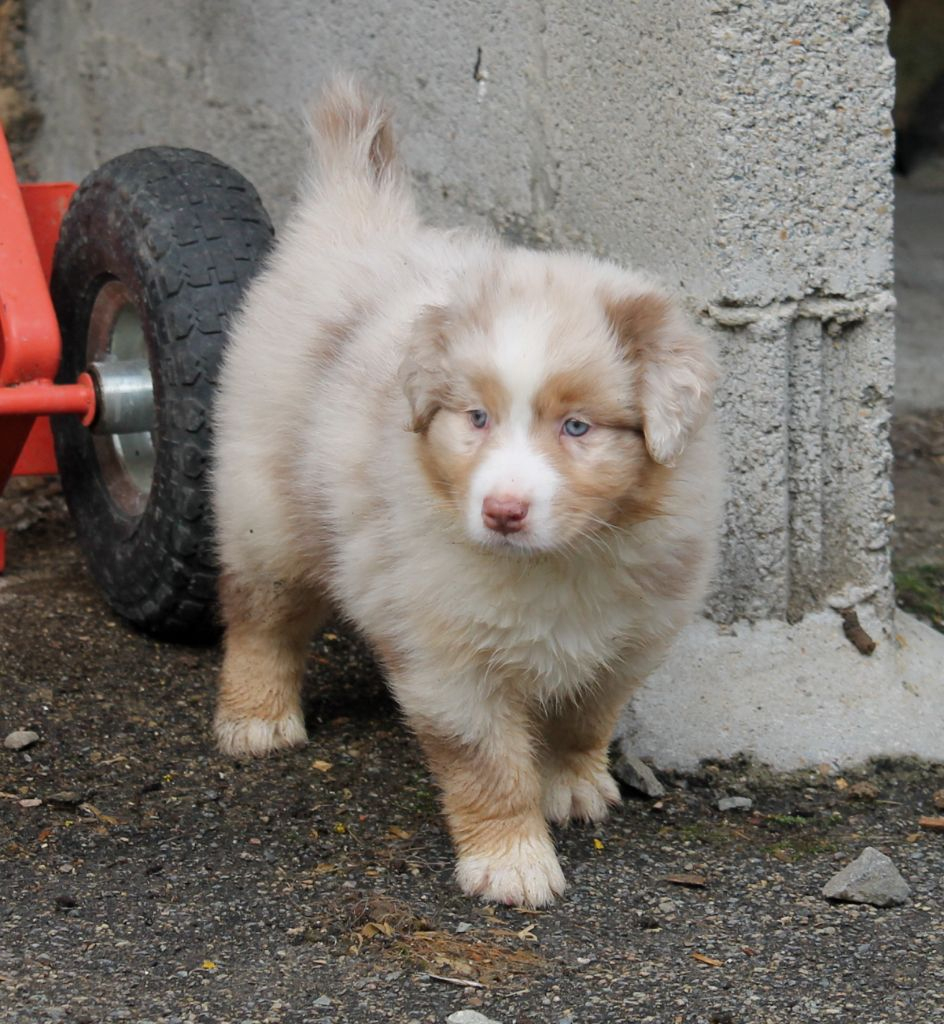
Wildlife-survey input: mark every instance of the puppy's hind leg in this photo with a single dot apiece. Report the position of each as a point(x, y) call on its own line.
point(269, 625)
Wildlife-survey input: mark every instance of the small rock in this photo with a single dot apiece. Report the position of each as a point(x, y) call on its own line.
point(871, 878)
point(463, 926)
point(637, 775)
point(863, 791)
point(735, 803)
point(469, 1017)
point(21, 739)
point(65, 799)
point(322, 1001)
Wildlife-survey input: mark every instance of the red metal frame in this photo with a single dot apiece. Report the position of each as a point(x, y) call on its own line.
point(30, 344)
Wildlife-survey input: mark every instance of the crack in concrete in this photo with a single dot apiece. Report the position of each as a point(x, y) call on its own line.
point(837, 309)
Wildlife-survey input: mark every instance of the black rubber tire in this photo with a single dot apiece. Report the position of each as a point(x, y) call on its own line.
point(184, 234)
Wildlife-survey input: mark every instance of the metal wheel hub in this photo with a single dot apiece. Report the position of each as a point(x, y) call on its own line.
point(125, 420)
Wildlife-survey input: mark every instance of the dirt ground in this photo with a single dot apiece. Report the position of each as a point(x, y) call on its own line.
point(145, 878)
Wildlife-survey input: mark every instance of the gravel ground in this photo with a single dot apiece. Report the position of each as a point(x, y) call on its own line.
point(157, 881)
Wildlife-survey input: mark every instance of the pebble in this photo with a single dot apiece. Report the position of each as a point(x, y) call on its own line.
point(322, 1001)
point(871, 878)
point(21, 739)
point(735, 803)
point(637, 775)
point(65, 799)
point(469, 1017)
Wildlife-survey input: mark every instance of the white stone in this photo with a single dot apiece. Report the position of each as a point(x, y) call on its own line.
point(871, 878)
point(20, 739)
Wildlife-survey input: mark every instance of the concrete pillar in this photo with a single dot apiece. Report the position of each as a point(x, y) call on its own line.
point(741, 149)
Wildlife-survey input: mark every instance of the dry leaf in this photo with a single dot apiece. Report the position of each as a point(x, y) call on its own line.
point(105, 819)
point(399, 833)
point(322, 766)
point(935, 824)
point(710, 961)
point(688, 879)
point(841, 784)
point(208, 965)
point(528, 933)
point(597, 844)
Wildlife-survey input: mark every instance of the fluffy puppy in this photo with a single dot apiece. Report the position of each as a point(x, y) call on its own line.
point(500, 465)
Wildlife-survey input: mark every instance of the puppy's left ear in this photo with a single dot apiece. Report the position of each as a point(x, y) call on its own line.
point(422, 374)
point(676, 369)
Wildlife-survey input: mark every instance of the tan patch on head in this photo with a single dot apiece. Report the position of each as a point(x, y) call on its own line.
point(610, 475)
point(448, 471)
point(443, 385)
point(621, 484)
point(638, 320)
point(580, 389)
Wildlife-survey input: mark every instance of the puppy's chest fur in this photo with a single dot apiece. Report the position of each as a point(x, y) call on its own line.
point(547, 625)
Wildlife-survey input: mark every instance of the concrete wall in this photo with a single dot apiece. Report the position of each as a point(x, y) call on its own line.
point(739, 149)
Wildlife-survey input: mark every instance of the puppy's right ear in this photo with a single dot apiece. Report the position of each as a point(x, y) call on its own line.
point(422, 373)
point(676, 369)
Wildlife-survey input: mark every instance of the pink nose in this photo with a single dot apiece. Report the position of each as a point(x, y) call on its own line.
point(504, 515)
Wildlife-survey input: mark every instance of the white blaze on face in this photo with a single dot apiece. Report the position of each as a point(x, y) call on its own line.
point(514, 468)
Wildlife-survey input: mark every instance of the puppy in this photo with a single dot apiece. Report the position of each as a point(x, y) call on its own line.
point(500, 465)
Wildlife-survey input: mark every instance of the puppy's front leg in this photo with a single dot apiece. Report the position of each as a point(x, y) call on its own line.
point(269, 624)
point(483, 759)
point(577, 782)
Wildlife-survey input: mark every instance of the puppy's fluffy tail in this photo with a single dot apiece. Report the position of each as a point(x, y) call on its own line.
point(353, 137)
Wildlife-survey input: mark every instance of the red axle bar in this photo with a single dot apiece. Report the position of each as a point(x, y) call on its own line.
point(43, 398)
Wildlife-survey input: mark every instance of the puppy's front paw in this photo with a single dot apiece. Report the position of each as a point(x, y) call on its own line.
point(527, 874)
point(258, 736)
point(575, 796)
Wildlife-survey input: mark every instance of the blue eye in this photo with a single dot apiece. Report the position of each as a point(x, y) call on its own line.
point(478, 418)
point(575, 428)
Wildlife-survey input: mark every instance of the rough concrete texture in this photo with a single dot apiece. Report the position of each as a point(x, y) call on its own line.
point(793, 695)
point(807, 406)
